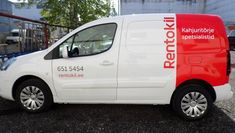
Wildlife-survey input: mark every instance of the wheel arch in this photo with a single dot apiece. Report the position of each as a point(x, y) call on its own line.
point(24, 78)
point(204, 83)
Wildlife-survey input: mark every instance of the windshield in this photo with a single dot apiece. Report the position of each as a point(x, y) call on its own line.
point(15, 34)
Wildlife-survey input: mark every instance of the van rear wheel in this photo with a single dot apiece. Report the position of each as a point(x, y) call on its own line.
point(34, 95)
point(192, 102)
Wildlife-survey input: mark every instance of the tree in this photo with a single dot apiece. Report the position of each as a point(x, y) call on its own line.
point(73, 13)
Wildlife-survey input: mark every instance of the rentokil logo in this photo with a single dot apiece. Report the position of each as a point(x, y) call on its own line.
point(170, 42)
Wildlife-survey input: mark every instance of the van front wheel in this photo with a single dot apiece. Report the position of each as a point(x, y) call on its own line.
point(192, 102)
point(33, 95)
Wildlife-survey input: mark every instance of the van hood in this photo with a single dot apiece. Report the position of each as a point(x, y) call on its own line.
point(35, 56)
point(12, 37)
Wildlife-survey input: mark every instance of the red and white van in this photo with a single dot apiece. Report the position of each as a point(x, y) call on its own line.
point(177, 59)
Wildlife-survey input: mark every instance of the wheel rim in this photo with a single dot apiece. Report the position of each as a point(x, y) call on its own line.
point(194, 104)
point(32, 97)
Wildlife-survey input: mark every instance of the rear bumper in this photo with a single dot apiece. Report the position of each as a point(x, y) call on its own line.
point(223, 92)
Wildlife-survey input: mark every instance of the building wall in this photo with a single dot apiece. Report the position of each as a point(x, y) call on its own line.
point(5, 7)
point(5, 23)
point(224, 8)
point(31, 12)
point(161, 6)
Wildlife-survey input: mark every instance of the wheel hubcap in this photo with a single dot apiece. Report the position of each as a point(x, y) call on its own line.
point(32, 97)
point(194, 104)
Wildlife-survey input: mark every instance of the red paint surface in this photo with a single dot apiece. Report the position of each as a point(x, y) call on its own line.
point(204, 59)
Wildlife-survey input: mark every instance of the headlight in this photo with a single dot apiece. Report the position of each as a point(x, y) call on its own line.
point(6, 64)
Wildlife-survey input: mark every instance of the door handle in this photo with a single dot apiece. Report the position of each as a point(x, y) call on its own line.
point(106, 63)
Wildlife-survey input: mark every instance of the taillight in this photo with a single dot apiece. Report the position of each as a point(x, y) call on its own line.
point(228, 63)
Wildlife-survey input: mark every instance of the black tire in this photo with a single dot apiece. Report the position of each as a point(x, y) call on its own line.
point(43, 89)
point(177, 101)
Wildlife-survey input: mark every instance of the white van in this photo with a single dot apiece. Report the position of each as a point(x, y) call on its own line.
point(176, 59)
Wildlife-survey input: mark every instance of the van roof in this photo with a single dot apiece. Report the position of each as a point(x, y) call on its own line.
point(18, 30)
point(15, 30)
point(149, 16)
point(158, 15)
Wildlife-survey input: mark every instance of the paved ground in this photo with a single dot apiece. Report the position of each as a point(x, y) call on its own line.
point(115, 118)
point(229, 106)
point(111, 118)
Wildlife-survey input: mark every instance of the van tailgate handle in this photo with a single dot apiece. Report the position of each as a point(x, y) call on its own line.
point(106, 63)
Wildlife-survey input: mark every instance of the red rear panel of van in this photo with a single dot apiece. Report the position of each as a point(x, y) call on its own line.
point(202, 49)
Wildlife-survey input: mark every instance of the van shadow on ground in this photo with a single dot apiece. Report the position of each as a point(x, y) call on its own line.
point(108, 118)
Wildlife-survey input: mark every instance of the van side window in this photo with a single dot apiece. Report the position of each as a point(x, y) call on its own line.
point(93, 40)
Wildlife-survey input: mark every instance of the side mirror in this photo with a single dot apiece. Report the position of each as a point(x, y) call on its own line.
point(65, 52)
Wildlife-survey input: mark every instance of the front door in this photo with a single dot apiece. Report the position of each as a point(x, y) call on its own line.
point(90, 71)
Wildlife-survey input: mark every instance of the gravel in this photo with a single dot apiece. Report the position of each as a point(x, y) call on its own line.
point(111, 118)
point(228, 106)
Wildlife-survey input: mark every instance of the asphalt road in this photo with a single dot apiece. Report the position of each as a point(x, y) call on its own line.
point(115, 118)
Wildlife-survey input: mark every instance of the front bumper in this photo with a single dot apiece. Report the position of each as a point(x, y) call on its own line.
point(223, 92)
point(5, 86)
point(11, 41)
